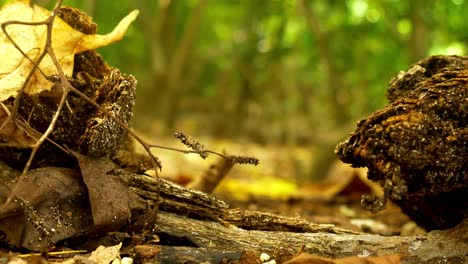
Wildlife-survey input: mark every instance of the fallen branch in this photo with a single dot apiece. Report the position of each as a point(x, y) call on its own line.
point(283, 245)
point(240, 231)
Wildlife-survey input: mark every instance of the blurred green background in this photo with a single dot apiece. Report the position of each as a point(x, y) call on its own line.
point(290, 72)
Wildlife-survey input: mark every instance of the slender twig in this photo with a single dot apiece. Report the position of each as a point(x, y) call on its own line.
point(196, 147)
point(58, 253)
point(189, 151)
point(25, 55)
point(63, 80)
point(12, 117)
point(48, 22)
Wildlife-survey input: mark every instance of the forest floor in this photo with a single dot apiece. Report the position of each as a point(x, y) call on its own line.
point(277, 185)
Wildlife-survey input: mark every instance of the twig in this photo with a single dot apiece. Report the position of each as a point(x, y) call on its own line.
point(212, 176)
point(47, 50)
point(58, 253)
point(232, 158)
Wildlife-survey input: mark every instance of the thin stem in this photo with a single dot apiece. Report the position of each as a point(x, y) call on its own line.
point(63, 80)
point(47, 50)
point(187, 151)
point(15, 22)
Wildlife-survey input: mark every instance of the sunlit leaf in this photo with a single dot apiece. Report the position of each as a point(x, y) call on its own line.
point(66, 42)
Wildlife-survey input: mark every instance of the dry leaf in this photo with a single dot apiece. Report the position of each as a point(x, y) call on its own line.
point(341, 180)
point(304, 258)
point(66, 42)
point(100, 255)
point(51, 205)
point(18, 133)
point(105, 254)
point(108, 193)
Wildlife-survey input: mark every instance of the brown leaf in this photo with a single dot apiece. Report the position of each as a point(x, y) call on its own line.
point(108, 193)
point(50, 205)
point(15, 132)
point(341, 180)
point(305, 258)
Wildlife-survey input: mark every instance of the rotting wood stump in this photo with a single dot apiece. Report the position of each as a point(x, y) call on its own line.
point(417, 147)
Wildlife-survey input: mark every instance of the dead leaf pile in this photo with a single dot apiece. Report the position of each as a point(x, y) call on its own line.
point(50, 205)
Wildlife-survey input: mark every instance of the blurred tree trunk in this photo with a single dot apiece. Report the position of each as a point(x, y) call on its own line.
point(419, 40)
point(333, 79)
point(333, 83)
point(157, 27)
point(222, 105)
point(177, 64)
point(240, 111)
point(168, 56)
point(285, 96)
point(157, 30)
point(245, 68)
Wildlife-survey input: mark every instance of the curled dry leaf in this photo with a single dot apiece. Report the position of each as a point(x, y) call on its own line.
point(311, 259)
point(66, 42)
point(102, 254)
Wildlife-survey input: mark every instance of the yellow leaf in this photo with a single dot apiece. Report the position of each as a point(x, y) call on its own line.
point(66, 42)
point(90, 42)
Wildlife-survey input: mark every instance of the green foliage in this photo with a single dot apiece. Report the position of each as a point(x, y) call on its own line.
point(255, 64)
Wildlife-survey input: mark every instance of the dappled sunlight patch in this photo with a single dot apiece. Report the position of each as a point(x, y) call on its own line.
point(268, 186)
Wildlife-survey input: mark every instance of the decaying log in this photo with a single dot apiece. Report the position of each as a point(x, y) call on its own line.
point(197, 204)
point(284, 245)
point(219, 228)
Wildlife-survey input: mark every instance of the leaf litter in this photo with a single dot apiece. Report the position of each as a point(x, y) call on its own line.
point(51, 204)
